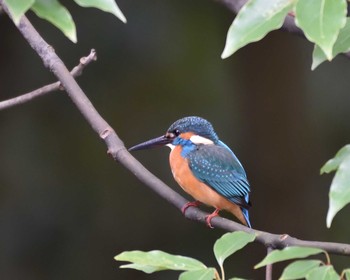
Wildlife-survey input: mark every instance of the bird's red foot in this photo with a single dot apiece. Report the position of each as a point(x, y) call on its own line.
point(189, 204)
point(212, 215)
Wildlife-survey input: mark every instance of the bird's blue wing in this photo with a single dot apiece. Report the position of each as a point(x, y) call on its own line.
point(222, 144)
point(219, 168)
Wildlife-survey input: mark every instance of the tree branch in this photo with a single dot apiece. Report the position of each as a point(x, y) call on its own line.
point(119, 153)
point(24, 98)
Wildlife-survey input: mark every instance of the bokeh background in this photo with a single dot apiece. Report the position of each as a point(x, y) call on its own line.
point(66, 209)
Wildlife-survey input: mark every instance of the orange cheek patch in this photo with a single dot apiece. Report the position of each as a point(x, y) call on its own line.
point(186, 135)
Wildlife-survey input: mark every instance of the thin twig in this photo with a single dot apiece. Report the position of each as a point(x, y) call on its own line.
point(119, 153)
point(268, 274)
point(76, 71)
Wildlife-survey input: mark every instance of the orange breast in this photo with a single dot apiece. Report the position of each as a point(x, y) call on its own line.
point(197, 189)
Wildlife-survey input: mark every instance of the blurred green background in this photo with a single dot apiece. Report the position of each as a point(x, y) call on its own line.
point(66, 209)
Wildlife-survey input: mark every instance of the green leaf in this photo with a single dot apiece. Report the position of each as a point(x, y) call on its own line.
point(339, 193)
point(299, 269)
point(255, 19)
point(230, 243)
point(145, 268)
point(17, 8)
point(157, 260)
point(325, 272)
point(333, 164)
point(318, 56)
point(342, 45)
point(109, 6)
point(58, 15)
point(202, 274)
point(321, 21)
point(288, 254)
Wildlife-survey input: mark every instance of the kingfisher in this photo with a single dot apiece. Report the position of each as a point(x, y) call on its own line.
point(205, 167)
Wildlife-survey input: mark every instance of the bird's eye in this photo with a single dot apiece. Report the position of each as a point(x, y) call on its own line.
point(173, 134)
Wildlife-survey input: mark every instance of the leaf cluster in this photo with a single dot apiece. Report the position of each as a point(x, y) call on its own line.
point(54, 12)
point(227, 245)
point(324, 23)
point(152, 261)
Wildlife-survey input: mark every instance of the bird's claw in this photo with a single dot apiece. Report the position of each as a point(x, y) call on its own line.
point(189, 204)
point(209, 217)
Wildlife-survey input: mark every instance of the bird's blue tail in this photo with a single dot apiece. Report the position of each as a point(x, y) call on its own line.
point(245, 211)
point(246, 216)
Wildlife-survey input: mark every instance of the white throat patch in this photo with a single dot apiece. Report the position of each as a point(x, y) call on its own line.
point(196, 139)
point(171, 146)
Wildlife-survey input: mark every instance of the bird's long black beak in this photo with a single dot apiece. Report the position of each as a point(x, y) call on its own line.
point(156, 142)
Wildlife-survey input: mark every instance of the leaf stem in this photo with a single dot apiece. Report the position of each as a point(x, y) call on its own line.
point(222, 271)
point(217, 276)
point(342, 275)
point(327, 258)
point(268, 274)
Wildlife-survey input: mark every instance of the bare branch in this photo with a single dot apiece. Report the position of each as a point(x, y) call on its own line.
point(76, 71)
point(119, 153)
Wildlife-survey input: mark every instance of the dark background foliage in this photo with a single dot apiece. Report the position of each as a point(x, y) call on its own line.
point(66, 208)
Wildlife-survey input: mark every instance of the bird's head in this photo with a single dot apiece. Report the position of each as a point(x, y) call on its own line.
point(195, 129)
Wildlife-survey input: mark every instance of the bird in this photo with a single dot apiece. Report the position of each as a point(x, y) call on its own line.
point(205, 168)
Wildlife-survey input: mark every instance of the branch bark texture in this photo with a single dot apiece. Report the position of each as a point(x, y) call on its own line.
point(119, 153)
